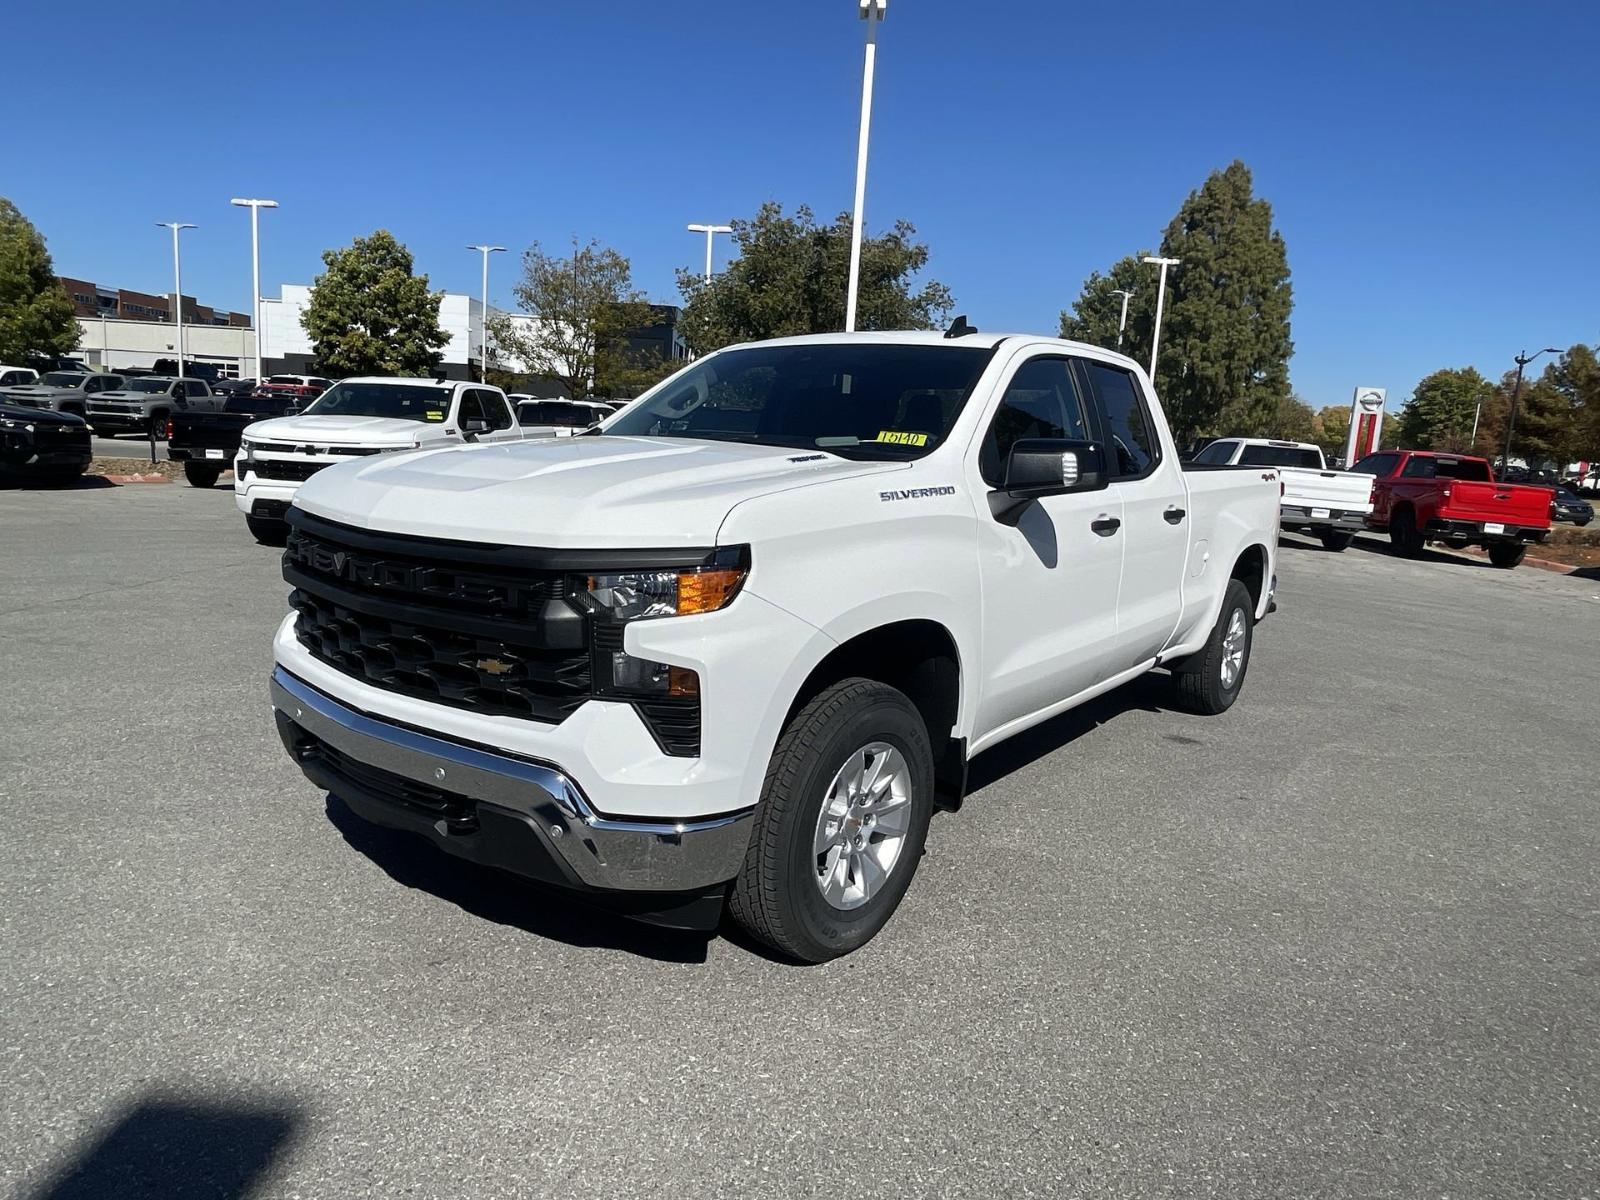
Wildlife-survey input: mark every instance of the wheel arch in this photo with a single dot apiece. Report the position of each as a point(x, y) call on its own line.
point(1251, 568)
point(919, 657)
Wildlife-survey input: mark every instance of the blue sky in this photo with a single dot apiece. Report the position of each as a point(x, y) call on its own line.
point(1433, 166)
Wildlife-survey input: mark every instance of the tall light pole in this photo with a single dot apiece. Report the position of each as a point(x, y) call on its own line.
point(483, 348)
point(255, 207)
point(1122, 324)
point(1161, 298)
point(177, 284)
point(872, 12)
point(710, 231)
point(1521, 360)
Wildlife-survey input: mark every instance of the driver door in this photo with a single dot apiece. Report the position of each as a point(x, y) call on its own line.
point(1052, 568)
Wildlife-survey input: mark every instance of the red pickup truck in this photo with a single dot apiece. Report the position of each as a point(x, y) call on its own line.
point(1420, 496)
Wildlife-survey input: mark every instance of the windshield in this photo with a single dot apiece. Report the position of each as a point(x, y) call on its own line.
point(856, 399)
point(408, 402)
point(146, 385)
point(1280, 456)
point(63, 379)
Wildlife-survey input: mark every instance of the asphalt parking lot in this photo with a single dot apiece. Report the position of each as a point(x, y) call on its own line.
point(1342, 941)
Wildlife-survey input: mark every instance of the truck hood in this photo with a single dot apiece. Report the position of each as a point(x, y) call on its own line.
point(382, 432)
point(31, 392)
point(568, 493)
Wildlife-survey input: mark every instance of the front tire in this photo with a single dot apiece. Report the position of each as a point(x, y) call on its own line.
point(1507, 555)
point(200, 476)
point(1336, 540)
point(1211, 679)
point(268, 531)
point(157, 429)
point(841, 824)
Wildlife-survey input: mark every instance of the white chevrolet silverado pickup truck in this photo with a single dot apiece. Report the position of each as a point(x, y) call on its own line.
point(353, 419)
point(735, 647)
point(1330, 505)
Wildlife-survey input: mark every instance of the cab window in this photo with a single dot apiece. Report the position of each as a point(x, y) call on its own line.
point(494, 409)
point(1041, 401)
point(1375, 464)
point(1131, 448)
point(1216, 454)
point(471, 409)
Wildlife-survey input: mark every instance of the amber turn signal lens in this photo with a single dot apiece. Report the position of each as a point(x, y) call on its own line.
point(681, 681)
point(708, 590)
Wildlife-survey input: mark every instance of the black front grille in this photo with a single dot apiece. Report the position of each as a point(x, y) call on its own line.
point(486, 628)
point(277, 468)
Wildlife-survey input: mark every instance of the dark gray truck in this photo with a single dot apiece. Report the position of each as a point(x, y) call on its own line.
point(205, 442)
point(63, 391)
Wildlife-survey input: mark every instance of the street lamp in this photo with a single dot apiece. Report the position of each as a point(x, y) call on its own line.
point(872, 12)
point(1161, 296)
point(483, 348)
point(1122, 324)
point(255, 207)
point(177, 283)
point(710, 231)
point(1521, 360)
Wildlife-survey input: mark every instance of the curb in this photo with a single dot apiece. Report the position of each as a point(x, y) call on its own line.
point(1543, 564)
point(126, 479)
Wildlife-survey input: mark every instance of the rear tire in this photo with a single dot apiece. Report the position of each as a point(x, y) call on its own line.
point(268, 531)
point(826, 869)
point(1403, 534)
point(1211, 679)
point(201, 476)
point(1507, 555)
point(1337, 540)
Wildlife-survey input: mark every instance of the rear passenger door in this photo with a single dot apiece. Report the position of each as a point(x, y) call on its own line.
point(1155, 520)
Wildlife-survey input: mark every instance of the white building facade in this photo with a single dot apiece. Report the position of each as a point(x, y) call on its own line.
point(286, 347)
point(113, 345)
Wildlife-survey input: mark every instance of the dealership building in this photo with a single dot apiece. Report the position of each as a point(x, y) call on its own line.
point(121, 329)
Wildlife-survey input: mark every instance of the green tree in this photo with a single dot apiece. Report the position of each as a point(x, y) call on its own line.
point(35, 312)
point(1333, 428)
point(583, 305)
point(369, 315)
point(1439, 415)
point(1290, 419)
point(1577, 376)
point(1225, 345)
point(1096, 314)
point(789, 276)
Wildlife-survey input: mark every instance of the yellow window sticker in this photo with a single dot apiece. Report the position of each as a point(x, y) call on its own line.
point(432, 414)
point(901, 439)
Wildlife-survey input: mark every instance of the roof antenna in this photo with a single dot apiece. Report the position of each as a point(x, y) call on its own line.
point(960, 328)
point(439, 375)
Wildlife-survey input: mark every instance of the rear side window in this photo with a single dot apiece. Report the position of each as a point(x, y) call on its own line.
point(1040, 402)
point(1216, 454)
point(1131, 448)
point(1375, 464)
point(1418, 468)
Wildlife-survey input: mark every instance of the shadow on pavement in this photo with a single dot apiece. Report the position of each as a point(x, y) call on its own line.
point(1147, 693)
point(166, 1149)
point(1371, 545)
point(507, 900)
point(79, 483)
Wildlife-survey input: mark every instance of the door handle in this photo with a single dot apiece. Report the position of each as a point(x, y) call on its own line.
point(1105, 526)
point(1173, 515)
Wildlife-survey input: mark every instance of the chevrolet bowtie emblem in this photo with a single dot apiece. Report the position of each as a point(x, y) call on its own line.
point(493, 666)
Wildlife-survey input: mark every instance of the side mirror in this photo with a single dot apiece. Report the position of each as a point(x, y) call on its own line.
point(473, 426)
point(1052, 466)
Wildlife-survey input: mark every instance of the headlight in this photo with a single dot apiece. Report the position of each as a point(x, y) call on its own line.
point(634, 595)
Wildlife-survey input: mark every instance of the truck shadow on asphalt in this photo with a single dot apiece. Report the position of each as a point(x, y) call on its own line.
point(82, 483)
point(1150, 692)
point(507, 900)
point(1370, 545)
point(178, 1148)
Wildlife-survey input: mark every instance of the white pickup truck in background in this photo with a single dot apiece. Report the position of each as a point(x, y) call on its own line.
point(353, 419)
point(733, 649)
point(1331, 505)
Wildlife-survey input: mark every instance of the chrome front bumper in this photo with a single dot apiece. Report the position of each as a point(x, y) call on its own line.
point(526, 798)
